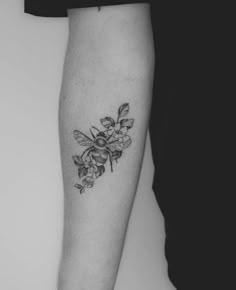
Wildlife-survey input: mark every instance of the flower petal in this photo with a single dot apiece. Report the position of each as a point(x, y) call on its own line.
point(116, 135)
point(110, 131)
point(93, 162)
point(87, 159)
point(124, 130)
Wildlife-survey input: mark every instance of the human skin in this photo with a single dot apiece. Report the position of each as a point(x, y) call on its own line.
point(109, 63)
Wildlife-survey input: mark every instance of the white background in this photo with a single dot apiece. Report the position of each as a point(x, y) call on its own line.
point(31, 59)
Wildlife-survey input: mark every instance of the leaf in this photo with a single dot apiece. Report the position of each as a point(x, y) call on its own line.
point(79, 186)
point(78, 160)
point(82, 171)
point(123, 110)
point(82, 190)
point(127, 123)
point(116, 154)
point(91, 185)
point(107, 122)
point(100, 171)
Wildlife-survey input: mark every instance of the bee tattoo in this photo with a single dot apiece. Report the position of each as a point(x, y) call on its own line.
point(105, 144)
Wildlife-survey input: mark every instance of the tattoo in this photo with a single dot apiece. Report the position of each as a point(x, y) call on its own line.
point(105, 144)
point(99, 8)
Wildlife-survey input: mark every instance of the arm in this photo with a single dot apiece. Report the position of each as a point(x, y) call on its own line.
point(109, 62)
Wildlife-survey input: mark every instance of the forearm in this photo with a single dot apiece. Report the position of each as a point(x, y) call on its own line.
point(98, 79)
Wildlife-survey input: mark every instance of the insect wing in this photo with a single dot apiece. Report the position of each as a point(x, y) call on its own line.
point(82, 139)
point(120, 144)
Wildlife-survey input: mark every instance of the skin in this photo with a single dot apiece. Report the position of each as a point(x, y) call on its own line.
point(109, 61)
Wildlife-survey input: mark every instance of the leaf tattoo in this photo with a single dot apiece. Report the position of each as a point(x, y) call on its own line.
point(127, 123)
point(123, 110)
point(108, 122)
point(106, 144)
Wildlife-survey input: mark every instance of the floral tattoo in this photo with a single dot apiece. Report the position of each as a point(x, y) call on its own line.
point(108, 143)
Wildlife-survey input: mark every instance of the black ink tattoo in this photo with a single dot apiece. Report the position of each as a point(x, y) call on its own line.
point(99, 8)
point(105, 144)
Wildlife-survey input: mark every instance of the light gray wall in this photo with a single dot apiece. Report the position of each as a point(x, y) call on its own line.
point(31, 60)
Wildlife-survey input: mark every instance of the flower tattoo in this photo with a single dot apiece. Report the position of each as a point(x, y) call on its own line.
point(108, 143)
